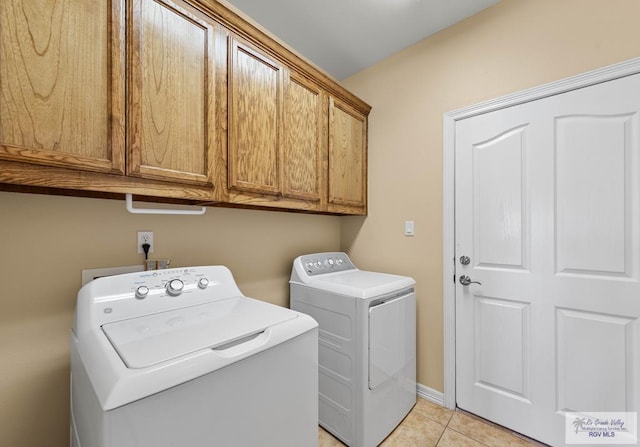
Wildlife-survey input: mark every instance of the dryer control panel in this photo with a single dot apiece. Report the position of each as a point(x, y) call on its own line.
point(322, 263)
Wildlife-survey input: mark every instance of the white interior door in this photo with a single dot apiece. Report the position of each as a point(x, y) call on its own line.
point(547, 209)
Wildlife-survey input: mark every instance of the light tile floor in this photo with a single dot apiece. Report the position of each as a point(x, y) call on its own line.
point(430, 425)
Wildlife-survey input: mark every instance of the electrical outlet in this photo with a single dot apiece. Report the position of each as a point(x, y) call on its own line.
point(145, 237)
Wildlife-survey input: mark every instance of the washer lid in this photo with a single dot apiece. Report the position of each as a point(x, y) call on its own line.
point(361, 283)
point(152, 339)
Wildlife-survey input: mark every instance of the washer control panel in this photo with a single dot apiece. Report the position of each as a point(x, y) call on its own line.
point(130, 295)
point(167, 282)
point(322, 263)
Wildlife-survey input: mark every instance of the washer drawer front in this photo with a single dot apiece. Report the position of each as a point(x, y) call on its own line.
point(392, 338)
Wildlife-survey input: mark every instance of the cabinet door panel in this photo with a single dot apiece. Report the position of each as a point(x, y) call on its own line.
point(62, 83)
point(171, 93)
point(303, 139)
point(255, 121)
point(347, 155)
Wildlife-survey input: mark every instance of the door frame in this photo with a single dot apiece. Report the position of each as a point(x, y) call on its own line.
point(582, 80)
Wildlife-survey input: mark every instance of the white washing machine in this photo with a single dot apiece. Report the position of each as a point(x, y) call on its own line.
point(181, 358)
point(367, 345)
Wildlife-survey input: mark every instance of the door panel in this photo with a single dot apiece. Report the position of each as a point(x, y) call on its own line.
point(548, 210)
point(500, 199)
point(255, 117)
point(391, 349)
point(303, 117)
point(594, 190)
point(502, 332)
point(62, 83)
point(579, 336)
point(347, 155)
point(171, 133)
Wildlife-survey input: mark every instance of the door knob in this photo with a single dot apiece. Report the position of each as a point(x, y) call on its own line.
point(466, 280)
point(465, 260)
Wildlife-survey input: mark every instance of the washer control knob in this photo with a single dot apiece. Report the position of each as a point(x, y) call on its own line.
point(142, 292)
point(203, 283)
point(330, 262)
point(174, 287)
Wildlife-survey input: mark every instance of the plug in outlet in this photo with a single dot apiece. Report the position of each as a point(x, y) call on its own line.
point(145, 237)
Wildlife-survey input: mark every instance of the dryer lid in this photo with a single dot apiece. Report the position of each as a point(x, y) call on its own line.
point(361, 283)
point(149, 340)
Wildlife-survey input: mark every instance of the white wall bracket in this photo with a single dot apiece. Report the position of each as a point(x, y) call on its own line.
point(184, 212)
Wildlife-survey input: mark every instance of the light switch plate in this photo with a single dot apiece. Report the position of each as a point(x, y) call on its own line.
point(409, 228)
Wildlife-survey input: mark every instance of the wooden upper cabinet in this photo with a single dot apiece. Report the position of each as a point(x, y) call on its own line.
point(347, 157)
point(180, 99)
point(304, 142)
point(62, 83)
point(171, 93)
point(255, 120)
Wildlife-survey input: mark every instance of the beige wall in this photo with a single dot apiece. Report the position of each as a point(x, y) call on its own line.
point(45, 242)
point(512, 46)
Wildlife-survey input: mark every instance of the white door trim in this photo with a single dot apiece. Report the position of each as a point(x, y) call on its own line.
point(604, 74)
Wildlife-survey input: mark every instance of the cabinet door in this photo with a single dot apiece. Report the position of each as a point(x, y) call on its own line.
point(62, 83)
point(171, 93)
point(304, 120)
point(347, 156)
point(255, 121)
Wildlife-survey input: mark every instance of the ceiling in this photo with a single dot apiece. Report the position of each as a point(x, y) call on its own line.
point(345, 36)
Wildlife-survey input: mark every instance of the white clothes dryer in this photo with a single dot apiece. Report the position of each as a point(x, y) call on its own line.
point(181, 358)
point(367, 345)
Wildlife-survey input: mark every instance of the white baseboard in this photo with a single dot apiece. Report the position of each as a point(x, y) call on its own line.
point(430, 394)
